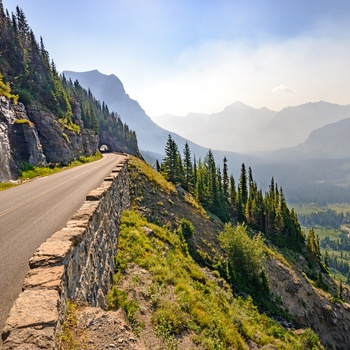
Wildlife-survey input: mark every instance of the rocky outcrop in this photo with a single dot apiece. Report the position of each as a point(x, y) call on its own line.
point(19, 140)
point(75, 263)
point(61, 145)
point(309, 306)
point(36, 137)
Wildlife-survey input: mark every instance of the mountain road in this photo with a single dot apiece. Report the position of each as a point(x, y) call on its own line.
point(32, 212)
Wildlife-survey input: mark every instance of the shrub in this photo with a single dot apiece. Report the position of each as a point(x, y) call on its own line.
point(187, 228)
point(25, 97)
point(168, 320)
point(70, 336)
point(5, 90)
point(24, 121)
point(118, 299)
point(246, 254)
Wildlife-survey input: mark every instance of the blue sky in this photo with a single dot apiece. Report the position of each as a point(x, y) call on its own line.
point(180, 56)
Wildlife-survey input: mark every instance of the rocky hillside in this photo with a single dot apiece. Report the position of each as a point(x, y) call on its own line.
point(45, 119)
point(35, 136)
point(171, 290)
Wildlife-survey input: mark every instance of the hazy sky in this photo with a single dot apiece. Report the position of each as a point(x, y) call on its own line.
point(180, 56)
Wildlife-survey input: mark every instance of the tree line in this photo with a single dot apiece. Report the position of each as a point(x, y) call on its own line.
point(26, 64)
point(243, 202)
point(341, 243)
point(329, 218)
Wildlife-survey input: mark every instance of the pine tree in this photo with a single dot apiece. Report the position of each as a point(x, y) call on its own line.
point(233, 193)
point(326, 261)
point(225, 181)
point(188, 169)
point(341, 291)
point(243, 185)
point(172, 166)
point(242, 195)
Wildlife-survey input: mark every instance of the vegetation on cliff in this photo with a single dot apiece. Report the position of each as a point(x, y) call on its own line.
point(245, 202)
point(172, 301)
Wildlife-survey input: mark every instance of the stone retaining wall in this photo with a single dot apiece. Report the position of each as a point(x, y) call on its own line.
point(76, 263)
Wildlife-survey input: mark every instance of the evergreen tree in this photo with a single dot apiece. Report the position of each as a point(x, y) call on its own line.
point(172, 166)
point(341, 291)
point(326, 261)
point(225, 181)
point(188, 168)
point(233, 193)
point(242, 195)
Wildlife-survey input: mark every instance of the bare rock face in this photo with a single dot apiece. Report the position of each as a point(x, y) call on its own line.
point(38, 138)
point(7, 164)
point(55, 142)
point(61, 145)
point(309, 306)
point(19, 141)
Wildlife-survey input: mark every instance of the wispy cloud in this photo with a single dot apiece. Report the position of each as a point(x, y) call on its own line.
point(283, 88)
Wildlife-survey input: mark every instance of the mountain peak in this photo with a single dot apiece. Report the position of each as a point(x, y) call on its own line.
point(99, 83)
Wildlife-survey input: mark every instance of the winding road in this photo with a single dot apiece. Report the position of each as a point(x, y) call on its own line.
point(32, 212)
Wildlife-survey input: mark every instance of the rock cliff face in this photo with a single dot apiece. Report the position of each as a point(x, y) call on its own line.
point(309, 306)
point(36, 137)
point(61, 145)
point(19, 141)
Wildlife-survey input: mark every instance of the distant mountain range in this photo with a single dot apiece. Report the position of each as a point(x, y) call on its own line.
point(241, 128)
point(306, 148)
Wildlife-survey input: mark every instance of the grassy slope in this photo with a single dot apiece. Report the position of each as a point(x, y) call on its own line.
point(172, 302)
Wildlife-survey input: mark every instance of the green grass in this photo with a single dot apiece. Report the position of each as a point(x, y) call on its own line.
point(31, 172)
point(308, 208)
point(322, 232)
point(184, 300)
point(151, 175)
point(24, 121)
point(71, 337)
point(6, 185)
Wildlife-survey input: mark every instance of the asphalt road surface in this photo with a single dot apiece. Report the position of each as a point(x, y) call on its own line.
point(32, 212)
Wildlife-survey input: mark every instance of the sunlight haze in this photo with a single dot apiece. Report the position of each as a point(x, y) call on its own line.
point(196, 56)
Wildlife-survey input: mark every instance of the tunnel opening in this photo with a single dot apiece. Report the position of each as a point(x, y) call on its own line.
point(105, 148)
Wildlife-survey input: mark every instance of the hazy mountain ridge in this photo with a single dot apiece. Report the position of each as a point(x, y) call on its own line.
point(221, 130)
point(241, 128)
point(329, 141)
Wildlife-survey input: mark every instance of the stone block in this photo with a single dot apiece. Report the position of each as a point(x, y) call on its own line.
point(45, 278)
point(74, 235)
point(50, 253)
point(33, 309)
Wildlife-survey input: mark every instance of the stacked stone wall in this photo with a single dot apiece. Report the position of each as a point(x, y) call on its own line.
point(75, 263)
